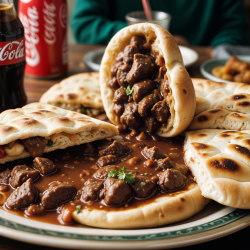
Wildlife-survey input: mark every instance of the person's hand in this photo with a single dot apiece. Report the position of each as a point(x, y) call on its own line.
point(181, 40)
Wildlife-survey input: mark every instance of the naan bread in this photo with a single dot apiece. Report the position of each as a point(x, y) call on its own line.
point(164, 210)
point(221, 119)
point(74, 91)
point(181, 98)
point(220, 95)
point(221, 105)
point(220, 162)
point(64, 128)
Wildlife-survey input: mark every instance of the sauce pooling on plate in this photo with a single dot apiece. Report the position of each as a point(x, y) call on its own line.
point(129, 171)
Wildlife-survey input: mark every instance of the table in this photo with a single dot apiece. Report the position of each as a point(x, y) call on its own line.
point(35, 88)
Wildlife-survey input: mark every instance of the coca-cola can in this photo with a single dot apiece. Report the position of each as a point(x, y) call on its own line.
point(45, 26)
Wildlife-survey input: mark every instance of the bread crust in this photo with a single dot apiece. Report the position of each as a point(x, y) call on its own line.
point(162, 211)
point(219, 160)
point(182, 106)
point(83, 88)
point(37, 119)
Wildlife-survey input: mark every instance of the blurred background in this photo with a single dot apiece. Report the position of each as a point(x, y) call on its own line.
point(71, 3)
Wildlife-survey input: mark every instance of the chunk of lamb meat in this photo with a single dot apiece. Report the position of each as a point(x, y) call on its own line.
point(153, 153)
point(143, 67)
point(21, 173)
point(113, 83)
point(44, 165)
point(131, 117)
point(116, 192)
point(122, 74)
point(139, 41)
point(90, 189)
point(161, 111)
point(114, 67)
point(171, 179)
point(143, 186)
point(148, 102)
point(102, 173)
point(35, 145)
point(57, 193)
point(151, 124)
point(120, 96)
point(182, 168)
point(118, 109)
point(164, 163)
point(23, 196)
point(4, 177)
point(106, 160)
point(116, 148)
point(142, 89)
point(87, 149)
point(129, 52)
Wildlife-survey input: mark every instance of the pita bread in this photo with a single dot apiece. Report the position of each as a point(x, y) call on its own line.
point(64, 128)
point(181, 98)
point(74, 91)
point(221, 119)
point(220, 162)
point(221, 105)
point(220, 95)
point(164, 210)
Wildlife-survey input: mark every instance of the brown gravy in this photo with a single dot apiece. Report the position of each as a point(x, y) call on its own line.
point(75, 168)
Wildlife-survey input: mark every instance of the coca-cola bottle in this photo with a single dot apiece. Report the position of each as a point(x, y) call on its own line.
point(12, 57)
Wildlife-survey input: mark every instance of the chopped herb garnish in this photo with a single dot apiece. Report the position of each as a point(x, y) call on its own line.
point(129, 90)
point(77, 157)
point(83, 109)
point(112, 173)
point(122, 175)
point(145, 173)
point(78, 209)
point(143, 183)
point(50, 143)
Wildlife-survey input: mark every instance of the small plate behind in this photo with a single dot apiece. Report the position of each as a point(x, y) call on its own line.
point(93, 58)
point(207, 66)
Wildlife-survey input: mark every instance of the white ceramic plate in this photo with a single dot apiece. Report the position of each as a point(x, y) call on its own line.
point(207, 67)
point(213, 222)
point(93, 58)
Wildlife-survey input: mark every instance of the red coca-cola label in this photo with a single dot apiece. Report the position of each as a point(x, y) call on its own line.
point(45, 28)
point(12, 52)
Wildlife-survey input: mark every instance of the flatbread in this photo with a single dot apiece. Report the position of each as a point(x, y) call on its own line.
point(221, 105)
point(64, 128)
point(220, 162)
point(75, 90)
point(162, 211)
point(221, 119)
point(215, 95)
point(182, 96)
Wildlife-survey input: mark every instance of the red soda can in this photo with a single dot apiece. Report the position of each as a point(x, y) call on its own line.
point(45, 26)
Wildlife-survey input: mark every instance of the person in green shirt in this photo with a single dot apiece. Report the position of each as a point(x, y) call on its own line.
point(197, 22)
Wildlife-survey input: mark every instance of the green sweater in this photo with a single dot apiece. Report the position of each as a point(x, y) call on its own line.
point(201, 22)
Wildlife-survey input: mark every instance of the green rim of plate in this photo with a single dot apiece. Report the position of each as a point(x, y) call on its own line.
point(235, 215)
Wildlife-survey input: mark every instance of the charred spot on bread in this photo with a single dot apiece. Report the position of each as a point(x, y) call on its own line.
point(244, 104)
point(225, 164)
point(242, 150)
point(214, 111)
point(202, 118)
point(200, 145)
point(238, 97)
